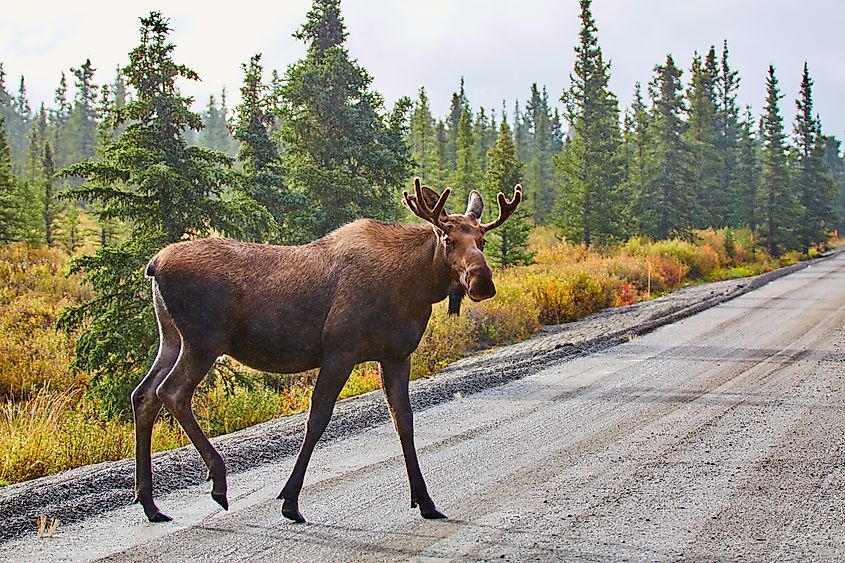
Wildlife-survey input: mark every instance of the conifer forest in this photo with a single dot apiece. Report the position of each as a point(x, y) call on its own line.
point(121, 163)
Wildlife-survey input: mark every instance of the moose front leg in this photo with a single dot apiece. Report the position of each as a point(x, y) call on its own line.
point(395, 377)
point(330, 382)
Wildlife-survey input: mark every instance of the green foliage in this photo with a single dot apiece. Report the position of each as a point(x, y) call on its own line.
point(458, 104)
point(702, 137)
point(814, 183)
point(466, 176)
point(665, 207)
point(82, 121)
point(779, 207)
point(541, 135)
point(745, 181)
point(508, 243)
point(836, 165)
point(591, 204)
point(151, 178)
point(423, 142)
point(337, 148)
point(728, 122)
point(10, 197)
point(215, 134)
point(275, 215)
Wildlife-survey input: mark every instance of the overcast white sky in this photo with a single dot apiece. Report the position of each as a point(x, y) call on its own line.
point(500, 47)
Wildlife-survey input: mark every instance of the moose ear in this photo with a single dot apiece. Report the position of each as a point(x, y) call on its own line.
point(431, 197)
point(474, 204)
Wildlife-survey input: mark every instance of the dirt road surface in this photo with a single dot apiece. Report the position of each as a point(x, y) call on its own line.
point(720, 436)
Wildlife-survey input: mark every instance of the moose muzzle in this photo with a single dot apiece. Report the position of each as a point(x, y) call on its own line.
point(478, 281)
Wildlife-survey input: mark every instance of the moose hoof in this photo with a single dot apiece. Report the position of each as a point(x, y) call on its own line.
point(290, 510)
point(220, 498)
point(159, 516)
point(432, 514)
point(427, 510)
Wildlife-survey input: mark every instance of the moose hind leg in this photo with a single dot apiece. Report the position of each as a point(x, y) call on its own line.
point(145, 408)
point(330, 381)
point(176, 392)
point(395, 376)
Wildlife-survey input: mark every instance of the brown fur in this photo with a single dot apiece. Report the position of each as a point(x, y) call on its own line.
point(363, 292)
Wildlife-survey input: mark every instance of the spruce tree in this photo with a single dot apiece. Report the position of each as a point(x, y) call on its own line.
point(520, 136)
point(119, 97)
point(441, 136)
point(59, 118)
point(836, 165)
point(702, 139)
point(540, 174)
point(666, 206)
point(780, 212)
point(10, 196)
point(36, 148)
point(11, 120)
point(276, 218)
point(634, 149)
point(215, 133)
point(481, 138)
point(814, 184)
point(7, 104)
point(591, 203)
point(22, 107)
point(746, 177)
point(422, 140)
point(467, 171)
point(337, 147)
point(50, 204)
point(728, 119)
point(18, 115)
point(83, 117)
point(166, 191)
point(457, 105)
point(507, 245)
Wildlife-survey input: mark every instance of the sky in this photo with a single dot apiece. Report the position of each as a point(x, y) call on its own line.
point(499, 48)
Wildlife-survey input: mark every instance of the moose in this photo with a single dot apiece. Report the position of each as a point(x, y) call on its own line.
point(361, 293)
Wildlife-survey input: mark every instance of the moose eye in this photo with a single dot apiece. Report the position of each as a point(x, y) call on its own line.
point(482, 244)
point(448, 242)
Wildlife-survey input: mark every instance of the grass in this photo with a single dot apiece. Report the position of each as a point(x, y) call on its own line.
point(48, 423)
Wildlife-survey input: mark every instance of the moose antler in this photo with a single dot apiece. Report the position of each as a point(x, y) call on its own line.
point(506, 208)
point(418, 206)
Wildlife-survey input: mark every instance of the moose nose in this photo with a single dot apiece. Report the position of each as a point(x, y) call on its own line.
point(479, 283)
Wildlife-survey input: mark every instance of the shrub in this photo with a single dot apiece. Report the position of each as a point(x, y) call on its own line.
point(568, 297)
point(447, 338)
point(365, 377)
point(32, 353)
point(510, 317)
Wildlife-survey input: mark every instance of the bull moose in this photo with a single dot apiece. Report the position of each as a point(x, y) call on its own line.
point(361, 293)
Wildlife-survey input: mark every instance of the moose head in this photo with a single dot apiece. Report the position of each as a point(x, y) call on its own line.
point(461, 236)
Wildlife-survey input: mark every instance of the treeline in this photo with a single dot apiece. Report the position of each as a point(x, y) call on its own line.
point(683, 156)
point(314, 147)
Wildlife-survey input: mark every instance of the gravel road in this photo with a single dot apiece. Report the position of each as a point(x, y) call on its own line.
point(705, 425)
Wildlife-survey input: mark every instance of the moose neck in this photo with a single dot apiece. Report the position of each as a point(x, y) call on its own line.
point(425, 265)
